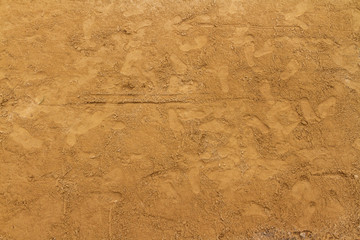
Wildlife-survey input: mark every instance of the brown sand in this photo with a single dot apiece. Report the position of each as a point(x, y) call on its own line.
point(182, 119)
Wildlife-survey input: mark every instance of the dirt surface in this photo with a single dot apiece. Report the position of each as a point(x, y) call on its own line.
point(206, 119)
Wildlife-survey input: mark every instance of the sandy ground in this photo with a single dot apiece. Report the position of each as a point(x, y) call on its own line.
point(206, 119)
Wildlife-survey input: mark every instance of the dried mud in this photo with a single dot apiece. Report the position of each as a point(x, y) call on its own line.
point(226, 119)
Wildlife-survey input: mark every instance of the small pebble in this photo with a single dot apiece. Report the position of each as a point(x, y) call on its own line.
point(303, 235)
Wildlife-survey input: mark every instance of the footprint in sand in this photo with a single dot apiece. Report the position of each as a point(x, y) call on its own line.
point(240, 37)
point(356, 19)
point(198, 43)
point(133, 8)
point(249, 51)
point(265, 90)
point(223, 72)
point(227, 7)
point(255, 122)
point(356, 144)
point(193, 113)
point(214, 126)
point(254, 209)
point(177, 86)
point(300, 9)
point(282, 119)
point(291, 68)
point(194, 179)
point(87, 26)
point(347, 58)
point(179, 66)
point(306, 197)
point(83, 125)
point(23, 137)
point(266, 49)
point(130, 65)
point(353, 85)
point(174, 121)
point(327, 107)
point(308, 111)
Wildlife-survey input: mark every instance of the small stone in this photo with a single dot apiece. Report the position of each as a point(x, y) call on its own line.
point(356, 176)
point(303, 235)
point(304, 122)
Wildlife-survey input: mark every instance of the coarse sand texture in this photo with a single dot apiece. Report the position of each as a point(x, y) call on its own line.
point(179, 119)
